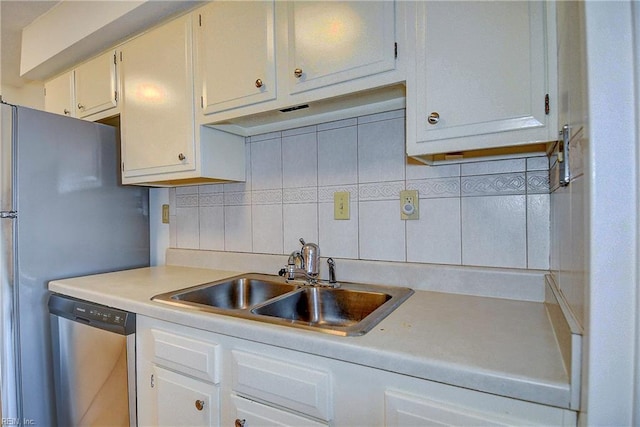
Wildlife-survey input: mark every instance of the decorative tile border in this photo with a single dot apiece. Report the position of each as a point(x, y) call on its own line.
point(538, 182)
point(211, 199)
point(438, 187)
point(491, 185)
point(380, 190)
point(266, 197)
point(237, 198)
point(301, 195)
point(186, 200)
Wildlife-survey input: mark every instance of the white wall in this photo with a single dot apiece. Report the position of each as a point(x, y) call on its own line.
point(594, 250)
point(491, 213)
point(30, 95)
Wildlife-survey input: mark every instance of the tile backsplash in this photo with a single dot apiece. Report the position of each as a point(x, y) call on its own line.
point(489, 213)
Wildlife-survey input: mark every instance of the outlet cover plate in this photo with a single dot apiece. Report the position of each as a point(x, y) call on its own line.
point(409, 207)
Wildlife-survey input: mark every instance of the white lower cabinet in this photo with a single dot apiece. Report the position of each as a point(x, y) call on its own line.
point(184, 401)
point(187, 376)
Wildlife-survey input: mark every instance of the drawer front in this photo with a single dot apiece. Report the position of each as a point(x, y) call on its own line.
point(292, 386)
point(187, 355)
point(252, 414)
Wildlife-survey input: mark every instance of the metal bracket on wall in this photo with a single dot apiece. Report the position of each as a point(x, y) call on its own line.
point(563, 157)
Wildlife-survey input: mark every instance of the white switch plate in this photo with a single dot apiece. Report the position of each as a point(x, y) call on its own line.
point(409, 207)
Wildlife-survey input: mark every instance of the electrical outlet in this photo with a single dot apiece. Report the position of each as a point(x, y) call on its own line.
point(341, 205)
point(165, 214)
point(409, 204)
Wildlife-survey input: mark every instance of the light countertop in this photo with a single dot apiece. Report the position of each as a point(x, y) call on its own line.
point(504, 347)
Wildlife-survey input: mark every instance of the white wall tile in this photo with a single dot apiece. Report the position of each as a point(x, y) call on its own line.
point(338, 124)
point(436, 237)
point(266, 164)
point(267, 229)
point(381, 231)
point(300, 161)
point(538, 163)
point(436, 187)
point(387, 115)
point(381, 151)
point(338, 156)
point(212, 227)
point(493, 167)
point(338, 238)
point(488, 185)
point(237, 226)
point(538, 231)
point(300, 221)
point(420, 171)
point(187, 227)
point(494, 232)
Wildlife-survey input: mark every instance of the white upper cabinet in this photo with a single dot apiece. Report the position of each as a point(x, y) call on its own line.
point(157, 114)
point(58, 95)
point(484, 77)
point(161, 146)
point(257, 58)
point(331, 42)
point(96, 84)
point(235, 44)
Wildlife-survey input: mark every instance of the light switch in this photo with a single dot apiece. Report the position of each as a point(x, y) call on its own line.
point(165, 214)
point(341, 205)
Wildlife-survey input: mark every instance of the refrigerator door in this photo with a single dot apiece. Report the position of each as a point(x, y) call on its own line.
point(8, 348)
point(73, 219)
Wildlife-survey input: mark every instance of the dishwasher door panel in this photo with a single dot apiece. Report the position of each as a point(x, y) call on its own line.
point(93, 372)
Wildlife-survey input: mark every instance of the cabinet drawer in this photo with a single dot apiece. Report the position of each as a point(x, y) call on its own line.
point(187, 355)
point(253, 414)
point(292, 386)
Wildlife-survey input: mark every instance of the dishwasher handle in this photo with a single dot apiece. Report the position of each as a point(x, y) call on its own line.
point(94, 315)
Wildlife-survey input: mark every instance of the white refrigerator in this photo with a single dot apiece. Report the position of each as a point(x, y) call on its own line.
point(63, 214)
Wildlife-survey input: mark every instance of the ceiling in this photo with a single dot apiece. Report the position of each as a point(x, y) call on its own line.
point(17, 14)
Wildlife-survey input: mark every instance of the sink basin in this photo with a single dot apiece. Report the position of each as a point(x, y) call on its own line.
point(232, 294)
point(325, 306)
point(351, 309)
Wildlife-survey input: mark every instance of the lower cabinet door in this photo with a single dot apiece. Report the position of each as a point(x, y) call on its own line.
point(185, 401)
point(253, 414)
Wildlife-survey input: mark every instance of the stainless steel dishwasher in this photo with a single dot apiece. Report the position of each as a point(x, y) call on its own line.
point(94, 363)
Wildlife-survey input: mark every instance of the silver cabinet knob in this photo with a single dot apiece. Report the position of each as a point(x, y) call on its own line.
point(67, 112)
point(297, 72)
point(181, 157)
point(434, 118)
point(240, 423)
point(80, 106)
point(199, 405)
point(259, 83)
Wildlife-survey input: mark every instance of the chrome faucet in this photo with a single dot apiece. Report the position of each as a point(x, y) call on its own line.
point(306, 262)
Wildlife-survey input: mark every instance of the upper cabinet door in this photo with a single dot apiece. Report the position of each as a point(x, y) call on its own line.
point(58, 95)
point(481, 75)
point(334, 41)
point(96, 85)
point(157, 126)
point(235, 54)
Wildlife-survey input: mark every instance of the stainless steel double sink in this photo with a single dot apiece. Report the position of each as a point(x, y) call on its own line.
point(349, 310)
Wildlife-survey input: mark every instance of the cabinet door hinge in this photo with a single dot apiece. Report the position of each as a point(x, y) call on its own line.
point(122, 166)
point(45, 91)
point(152, 383)
point(115, 59)
point(115, 96)
point(546, 104)
point(201, 101)
point(120, 56)
point(200, 20)
point(395, 50)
